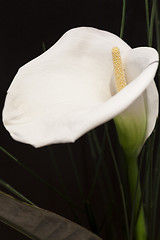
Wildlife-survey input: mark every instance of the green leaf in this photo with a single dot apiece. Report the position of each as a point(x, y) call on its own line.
point(40, 224)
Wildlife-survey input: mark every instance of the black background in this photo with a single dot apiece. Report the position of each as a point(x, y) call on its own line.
point(24, 26)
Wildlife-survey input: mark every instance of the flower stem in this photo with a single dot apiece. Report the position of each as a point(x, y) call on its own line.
point(123, 19)
point(152, 23)
point(147, 17)
point(135, 192)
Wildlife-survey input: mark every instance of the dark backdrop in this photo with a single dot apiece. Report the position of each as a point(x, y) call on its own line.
point(24, 25)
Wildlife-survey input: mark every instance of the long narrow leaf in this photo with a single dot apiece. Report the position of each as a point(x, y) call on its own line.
point(40, 224)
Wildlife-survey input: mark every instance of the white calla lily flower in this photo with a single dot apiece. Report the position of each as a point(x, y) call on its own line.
point(70, 89)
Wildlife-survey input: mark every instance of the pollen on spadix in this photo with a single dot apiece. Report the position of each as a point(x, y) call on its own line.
point(118, 69)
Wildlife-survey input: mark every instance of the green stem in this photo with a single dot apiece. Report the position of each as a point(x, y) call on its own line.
point(152, 23)
point(135, 192)
point(43, 46)
point(123, 19)
point(147, 18)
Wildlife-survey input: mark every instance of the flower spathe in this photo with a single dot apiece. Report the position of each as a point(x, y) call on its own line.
point(132, 123)
point(69, 89)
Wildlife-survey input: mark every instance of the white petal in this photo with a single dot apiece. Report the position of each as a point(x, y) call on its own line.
point(66, 91)
point(135, 124)
point(131, 126)
point(136, 62)
point(49, 98)
point(152, 107)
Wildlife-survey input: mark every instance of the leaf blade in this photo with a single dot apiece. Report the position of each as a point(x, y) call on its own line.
point(40, 224)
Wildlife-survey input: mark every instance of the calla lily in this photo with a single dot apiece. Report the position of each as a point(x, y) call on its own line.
point(70, 89)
